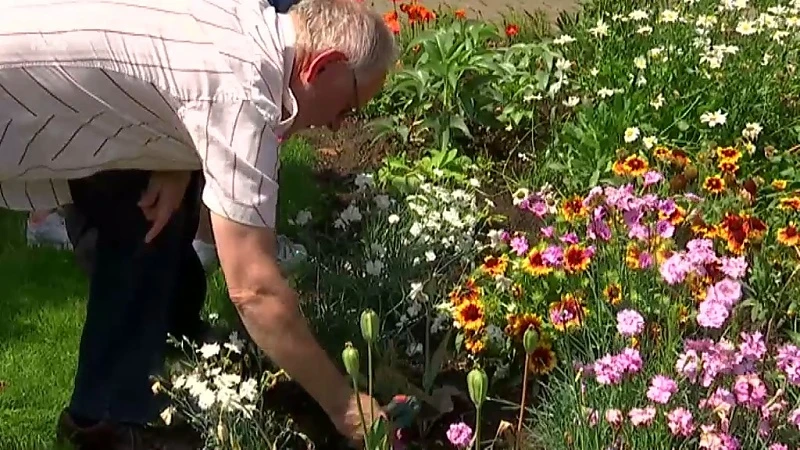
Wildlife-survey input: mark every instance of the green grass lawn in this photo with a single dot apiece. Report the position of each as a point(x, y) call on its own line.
point(42, 307)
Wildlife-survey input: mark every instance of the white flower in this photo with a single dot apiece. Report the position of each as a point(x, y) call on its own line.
point(227, 380)
point(638, 15)
point(751, 131)
point(640, 62)
point(249, 389)
point(206, 399)
point(644, 30)
point(599, 30)
point(649, 141)
point(430, 256)
point(378, 249)
point(631, 134)
point(383, 201)
point(503, 283)
point(351, 214)
point(594, 72)
point(746, 27)
point(364, 180)
point(571, 101)
point(166, 415)
point(374, 267)
point(495, 237)
point(714, 119)
point(209, 350)
point(605, 92)
point(563, 64)
point(657, 102)
point(416, 291)
point(414, 349)
point(519, 195)
point(179, 382)
point(438, 172)
point(393, 219)
point(474, 182)
point(302, 218)
point(669, 16)
point(563, 39)
point(416, 229)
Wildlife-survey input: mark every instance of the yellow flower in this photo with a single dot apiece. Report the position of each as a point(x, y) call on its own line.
point(779, 185)
point(715, 185)
point(613, 293)
point(534, 264)
point(494, 265)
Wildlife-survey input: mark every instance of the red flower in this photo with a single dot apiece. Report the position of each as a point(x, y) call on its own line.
point(512, 30)
point(460, 14)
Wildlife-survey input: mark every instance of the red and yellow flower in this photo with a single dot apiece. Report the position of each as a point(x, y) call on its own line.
point(567, 313)
point(495, 265)
point(573, 209)
point(633, 165)
point(791, 203)
point(613, 293)
point(576, 258)
point(789, 236)
point(469, 316)
point(518, 324)
point(543, 359)
point(714, 184)
point(534, 264)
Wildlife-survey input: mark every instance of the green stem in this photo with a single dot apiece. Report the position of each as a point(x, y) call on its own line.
point(522, 401)
point(478, 428)
point(361, 413)
point(369, 381)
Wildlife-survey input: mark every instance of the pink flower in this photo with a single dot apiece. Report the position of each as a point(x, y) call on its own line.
point(794, 418)
point(629, 322)
point(778, 446)
point(752, 347)
point(680, 422)
point(592, 416)
point(665, 229)
point(652, 177)
point(711, 439)
point(569, 238)
point(674, 269)
point(460, 435)
point(721, 401)
point(735, 268)
point(688, 365)
point(661, 389)
point(642, 417)
point(553, 256)
point(547, 232)
point(520, 245)
point(630, 360)
point(607, 370)
point(750, 391)
point(728, 292)
point(712, 314)
point(788, 360)
point(614, 417)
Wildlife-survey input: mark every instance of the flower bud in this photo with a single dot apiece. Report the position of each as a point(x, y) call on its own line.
point(478, 385)
point(350, 359)
point(530, 340)
point(370, 326)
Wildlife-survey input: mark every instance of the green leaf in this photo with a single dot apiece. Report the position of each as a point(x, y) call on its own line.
point(436, 362)
point(459, 123)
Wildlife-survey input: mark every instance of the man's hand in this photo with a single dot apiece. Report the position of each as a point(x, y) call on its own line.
point(348, 421)
point(163, 196)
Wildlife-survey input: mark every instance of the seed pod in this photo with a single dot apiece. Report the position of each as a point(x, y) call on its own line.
point(690, 172)
point(370, 326)
point(350, 359)
point(478, 385)
point(530, 340)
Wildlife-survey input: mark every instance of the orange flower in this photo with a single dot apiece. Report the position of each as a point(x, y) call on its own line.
point(662, 153)
point(474, 342)
point(576, 258)
point(729, 154)
point(460, 14)
point(632, 254)
point(790, 203)
point(715, 185)
point(469, 315)
point(469, 292)
point(779, 185)
point(542, 360)
point(392, 21)
point(613, 293)
point(728, 166)
point(739, 230)
point(518, 324)
point(567, 313)
point(633, 165)
point(680, 158)
point(534, 264)
point(573, 208)
point(512, 30)
point(789, 236)
point(494, 265)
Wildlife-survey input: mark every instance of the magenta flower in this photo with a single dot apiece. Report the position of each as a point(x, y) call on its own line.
point(665, 229)
point(569, 238)
point(661, 389)
point(752, 347)
point(553, 256)
point(721, 401)
point(642, 417)
point(675, 269)
point(680, 422)
point(778, 446)
point(520, 245)
point(788, 361)
point(607, 370)
point(750, 391)
point(460, 435)
point(629, 322)
point(630, 360)
point(547, 232)
point(688, 365)
point(645, 260)
point(727, 291)
point(794, 417)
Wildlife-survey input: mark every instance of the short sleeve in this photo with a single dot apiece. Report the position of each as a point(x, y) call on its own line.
point(239, 153)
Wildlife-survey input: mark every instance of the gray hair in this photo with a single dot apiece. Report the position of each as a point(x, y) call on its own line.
point(350, 27)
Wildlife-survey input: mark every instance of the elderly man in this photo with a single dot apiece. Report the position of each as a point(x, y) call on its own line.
point(118, 107)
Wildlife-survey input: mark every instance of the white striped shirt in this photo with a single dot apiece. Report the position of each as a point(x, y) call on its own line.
point(92, 85)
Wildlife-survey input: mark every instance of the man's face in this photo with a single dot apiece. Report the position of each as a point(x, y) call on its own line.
point(333, 92)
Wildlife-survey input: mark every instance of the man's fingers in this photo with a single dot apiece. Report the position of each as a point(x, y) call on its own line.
point(150, 195)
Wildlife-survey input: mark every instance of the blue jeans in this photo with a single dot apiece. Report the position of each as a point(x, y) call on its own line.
point(136, 292)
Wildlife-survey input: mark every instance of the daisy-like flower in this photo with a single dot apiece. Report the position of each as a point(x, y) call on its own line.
point(613, 293)
point(571, 101)
point(542, 360)
point(518, 324)
point(714, 185)
point(728, 154)
point(640, 62)
point(789, 236)
point(534, 264)
point(790, 203)
point(495, 265)
point(728, 166)
point(567, 313)
point(573, 209)
point(751, 131)
point(669, 16)
point(746, 27)
point(600, 29)
point(576, 258)
point(779, 185)
point(713, 119)
point(633, 165)
point(469, 316)
point(631, 134)
point(563, 39)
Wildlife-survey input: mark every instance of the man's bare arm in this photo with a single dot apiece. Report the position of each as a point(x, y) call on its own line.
point(270, 310)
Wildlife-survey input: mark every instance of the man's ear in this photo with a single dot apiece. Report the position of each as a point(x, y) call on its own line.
point(320, 62)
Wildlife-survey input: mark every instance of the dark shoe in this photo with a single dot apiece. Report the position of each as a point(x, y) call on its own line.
point(104, 436)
